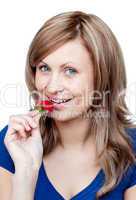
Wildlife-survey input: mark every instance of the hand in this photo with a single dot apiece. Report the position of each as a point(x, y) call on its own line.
point(23, 140)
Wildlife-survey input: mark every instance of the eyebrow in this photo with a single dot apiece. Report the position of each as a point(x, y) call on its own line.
point(61, 66)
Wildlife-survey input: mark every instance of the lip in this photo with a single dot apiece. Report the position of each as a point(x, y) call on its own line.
point(61, 105)
point(56, 98)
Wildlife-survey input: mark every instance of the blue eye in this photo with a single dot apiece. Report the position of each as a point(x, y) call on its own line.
point(71, 70)
point(42, 67)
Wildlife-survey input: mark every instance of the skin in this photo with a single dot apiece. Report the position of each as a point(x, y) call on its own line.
point(81, 170)
point(52, 79)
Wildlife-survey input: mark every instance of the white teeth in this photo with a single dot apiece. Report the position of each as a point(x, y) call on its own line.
point(59, 100)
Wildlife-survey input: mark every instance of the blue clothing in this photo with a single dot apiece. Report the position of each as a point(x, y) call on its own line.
point(46, 191)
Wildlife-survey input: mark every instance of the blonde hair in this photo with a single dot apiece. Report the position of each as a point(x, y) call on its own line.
point(113, 144)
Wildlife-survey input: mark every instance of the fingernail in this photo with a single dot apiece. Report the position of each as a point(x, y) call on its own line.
point(28, 128)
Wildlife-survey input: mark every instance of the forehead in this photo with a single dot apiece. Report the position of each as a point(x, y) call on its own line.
point(72, 51)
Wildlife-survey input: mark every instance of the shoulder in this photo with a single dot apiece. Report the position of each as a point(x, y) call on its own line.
point(5, 158)
point(129, 178)
point(131, 132)
point(3, 132)
point(130, 189)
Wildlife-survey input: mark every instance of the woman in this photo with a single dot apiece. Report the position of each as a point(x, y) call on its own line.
point(85, 148)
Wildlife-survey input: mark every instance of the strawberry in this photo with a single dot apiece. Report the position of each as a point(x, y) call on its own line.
point(44, 105)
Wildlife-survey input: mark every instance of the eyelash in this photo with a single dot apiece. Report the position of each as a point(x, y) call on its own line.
point(70, 68)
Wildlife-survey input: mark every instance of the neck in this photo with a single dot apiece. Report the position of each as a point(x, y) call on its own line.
point(73, 133)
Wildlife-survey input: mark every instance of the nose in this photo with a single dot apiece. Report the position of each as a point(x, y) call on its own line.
point(54, 85)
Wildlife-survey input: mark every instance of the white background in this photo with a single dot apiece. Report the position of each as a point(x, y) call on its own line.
point(20, 20)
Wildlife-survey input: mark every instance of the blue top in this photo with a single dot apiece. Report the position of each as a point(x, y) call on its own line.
point(44, 187)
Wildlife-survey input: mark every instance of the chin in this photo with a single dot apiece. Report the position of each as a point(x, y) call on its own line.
point(65, 116)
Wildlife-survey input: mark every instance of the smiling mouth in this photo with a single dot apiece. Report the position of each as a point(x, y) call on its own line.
point(61, 102)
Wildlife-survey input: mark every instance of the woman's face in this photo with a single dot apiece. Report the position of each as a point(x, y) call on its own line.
point(67, 73)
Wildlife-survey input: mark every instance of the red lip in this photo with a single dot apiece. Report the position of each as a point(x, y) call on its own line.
point(60, 105)
point(56, 98)
point(53, 97)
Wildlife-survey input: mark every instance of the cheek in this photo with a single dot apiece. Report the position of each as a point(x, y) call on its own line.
point(40, 82)
point(83, 94)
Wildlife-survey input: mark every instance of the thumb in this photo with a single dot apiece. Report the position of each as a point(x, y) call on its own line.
point(36, 131)
point(36, 118)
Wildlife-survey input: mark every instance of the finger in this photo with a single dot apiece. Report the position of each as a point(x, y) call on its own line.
point(23, 121)
point(36, 132)
point(16, 128)
point(33, 113)
point(30, 121)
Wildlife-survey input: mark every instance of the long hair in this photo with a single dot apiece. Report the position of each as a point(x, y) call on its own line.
point(113, 144)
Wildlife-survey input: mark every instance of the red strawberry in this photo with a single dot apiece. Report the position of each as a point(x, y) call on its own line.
point(45, 105)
